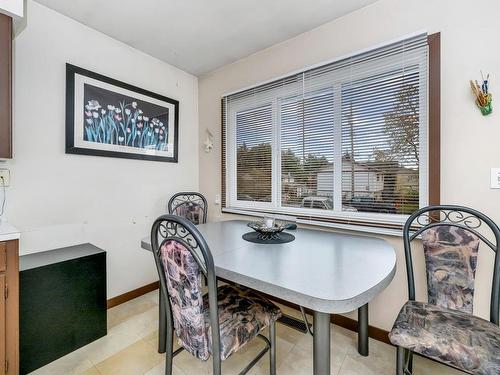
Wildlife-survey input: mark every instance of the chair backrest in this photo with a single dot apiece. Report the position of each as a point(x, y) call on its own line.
point(182, 256)
point(191, 205)
point(451, 237)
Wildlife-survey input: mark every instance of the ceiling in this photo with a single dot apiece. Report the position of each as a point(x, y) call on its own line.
point(199, 36)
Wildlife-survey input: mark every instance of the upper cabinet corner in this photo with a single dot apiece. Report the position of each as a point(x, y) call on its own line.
point(5, 87)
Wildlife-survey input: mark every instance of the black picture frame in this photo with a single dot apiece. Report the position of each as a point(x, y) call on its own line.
point(72, 72)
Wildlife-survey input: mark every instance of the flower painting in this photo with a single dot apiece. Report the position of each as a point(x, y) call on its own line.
point(106, 117)
point(123, 120)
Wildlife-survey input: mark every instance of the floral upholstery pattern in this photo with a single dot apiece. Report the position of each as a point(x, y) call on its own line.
point(183, 279)
point(451, 260)
point(191, 211)
point(243, 313)
point(454, 337)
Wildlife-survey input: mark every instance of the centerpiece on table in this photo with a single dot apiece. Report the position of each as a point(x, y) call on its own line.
point(268, 230)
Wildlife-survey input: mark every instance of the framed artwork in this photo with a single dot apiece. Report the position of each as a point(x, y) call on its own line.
point(106, 117)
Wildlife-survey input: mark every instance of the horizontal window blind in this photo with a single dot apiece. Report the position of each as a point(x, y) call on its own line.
point(381, 143)
point(307, 148)
point(223, 153)
point(343, 141)
point(254, 134)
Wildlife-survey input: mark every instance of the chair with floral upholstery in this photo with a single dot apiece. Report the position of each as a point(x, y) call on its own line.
point(215, 324)
point(191, 205)
point(444, 328)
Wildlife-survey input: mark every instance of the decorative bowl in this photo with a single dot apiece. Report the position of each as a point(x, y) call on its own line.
point(260, 226)
point(265, 232)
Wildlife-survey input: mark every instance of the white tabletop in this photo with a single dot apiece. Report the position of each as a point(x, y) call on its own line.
point(324, 271)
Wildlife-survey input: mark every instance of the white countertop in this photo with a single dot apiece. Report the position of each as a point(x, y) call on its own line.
point(8, 232)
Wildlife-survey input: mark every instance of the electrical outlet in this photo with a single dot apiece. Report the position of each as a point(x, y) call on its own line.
point(495, 178)
point(4, 177)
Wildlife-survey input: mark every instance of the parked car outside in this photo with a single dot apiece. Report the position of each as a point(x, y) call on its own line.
point(369, 204)
point(245, 197)
point(322, 203)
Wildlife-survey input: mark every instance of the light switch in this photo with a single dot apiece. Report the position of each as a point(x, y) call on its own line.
point(495, 178)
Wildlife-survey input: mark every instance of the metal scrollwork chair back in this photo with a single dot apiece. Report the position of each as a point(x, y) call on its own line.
point(182, 257)
point(180, 230)
point(444, 328)
point(461, 217)
point(191, 205)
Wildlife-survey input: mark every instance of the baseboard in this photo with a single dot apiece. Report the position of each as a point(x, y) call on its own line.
point(340, 320)
point(352, 325)
point(122, 298)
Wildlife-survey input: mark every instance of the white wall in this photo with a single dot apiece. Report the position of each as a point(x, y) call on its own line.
point(57, 199)
point(13, 8)
point(469, 143)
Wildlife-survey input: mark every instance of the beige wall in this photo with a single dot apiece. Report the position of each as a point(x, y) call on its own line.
point(470, 143)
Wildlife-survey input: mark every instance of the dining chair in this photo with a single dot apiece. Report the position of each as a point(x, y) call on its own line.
point(191, 205)
point(217, 323)
point(444, 328)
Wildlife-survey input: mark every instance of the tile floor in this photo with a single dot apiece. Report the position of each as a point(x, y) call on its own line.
point(130, 349)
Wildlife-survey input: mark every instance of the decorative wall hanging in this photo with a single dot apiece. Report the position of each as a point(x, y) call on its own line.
point(483, 97)
point(209, 142)
point(106, 117)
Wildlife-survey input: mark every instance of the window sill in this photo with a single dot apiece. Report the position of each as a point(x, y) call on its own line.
point(367, 227)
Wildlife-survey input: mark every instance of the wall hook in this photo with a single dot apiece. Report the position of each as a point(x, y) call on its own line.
point(209, 141)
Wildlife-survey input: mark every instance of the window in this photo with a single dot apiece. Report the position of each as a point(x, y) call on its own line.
point(342, 142)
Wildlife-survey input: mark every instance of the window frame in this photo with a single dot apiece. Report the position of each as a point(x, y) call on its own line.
point(353, 220)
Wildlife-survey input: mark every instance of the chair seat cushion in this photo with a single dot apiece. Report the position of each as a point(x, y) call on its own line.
point(456, 338)
point(243, 313)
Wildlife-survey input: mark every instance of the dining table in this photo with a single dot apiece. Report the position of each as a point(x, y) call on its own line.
point(324, 271)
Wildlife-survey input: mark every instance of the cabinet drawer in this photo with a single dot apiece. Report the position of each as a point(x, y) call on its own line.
point(3, 256)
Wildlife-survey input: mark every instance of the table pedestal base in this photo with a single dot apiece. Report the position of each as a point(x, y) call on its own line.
point(321, 344)
point(363, 330)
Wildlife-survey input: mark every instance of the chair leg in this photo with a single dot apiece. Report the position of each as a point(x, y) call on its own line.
point(162, 312)
point(169, 344)
point(410, 362)
point(216, 364)
point(272, 353)
point(400, 361)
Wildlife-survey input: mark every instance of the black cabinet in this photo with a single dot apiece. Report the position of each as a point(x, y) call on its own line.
point(62, 303)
